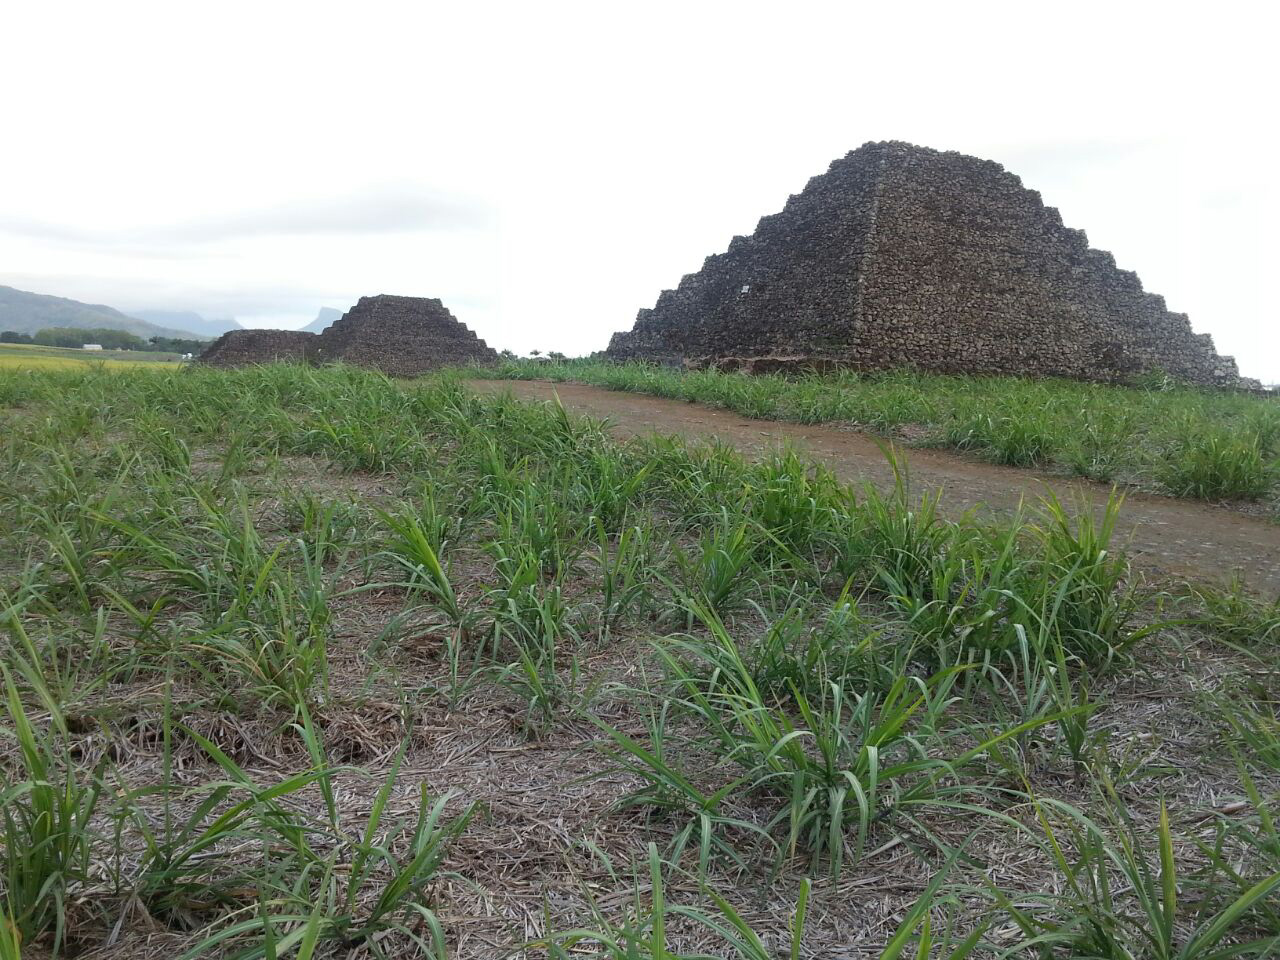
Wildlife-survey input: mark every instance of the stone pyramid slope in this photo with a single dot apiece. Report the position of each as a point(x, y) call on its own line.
point(401, 336)
point(904, 256)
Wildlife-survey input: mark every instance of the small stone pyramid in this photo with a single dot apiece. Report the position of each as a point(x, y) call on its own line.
point(401, 336)
point(902, 256)
point(235, 348)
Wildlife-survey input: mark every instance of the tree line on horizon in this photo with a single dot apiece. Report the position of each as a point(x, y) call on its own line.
point(109, 339)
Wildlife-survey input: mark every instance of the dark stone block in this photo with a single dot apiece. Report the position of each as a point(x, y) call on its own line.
point(236, 348)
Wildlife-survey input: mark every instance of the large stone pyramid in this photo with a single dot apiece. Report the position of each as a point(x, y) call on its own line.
point(903, 256)
point(401, 336)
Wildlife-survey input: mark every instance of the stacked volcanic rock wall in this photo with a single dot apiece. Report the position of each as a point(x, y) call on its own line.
point(903, 256)
point(236, 348)
point(401, 336)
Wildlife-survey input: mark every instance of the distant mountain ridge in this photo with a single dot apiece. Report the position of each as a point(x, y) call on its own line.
point(188, 320)
point(325, 317)
point(24, 312)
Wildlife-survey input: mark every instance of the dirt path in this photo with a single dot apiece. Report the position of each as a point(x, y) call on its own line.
point(1175, 537)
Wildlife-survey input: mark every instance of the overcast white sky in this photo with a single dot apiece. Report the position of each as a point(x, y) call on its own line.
point(548, 169)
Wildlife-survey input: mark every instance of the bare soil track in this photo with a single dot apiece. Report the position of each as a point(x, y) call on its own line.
point(1176, 538)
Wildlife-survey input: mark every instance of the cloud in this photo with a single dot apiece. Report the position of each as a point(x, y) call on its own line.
point(385, 209)
point(254, 303)
point(128, 293)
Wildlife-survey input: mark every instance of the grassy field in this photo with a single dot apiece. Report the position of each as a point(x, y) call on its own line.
point(1183, 442)
point(26, 356)
point(312, 663)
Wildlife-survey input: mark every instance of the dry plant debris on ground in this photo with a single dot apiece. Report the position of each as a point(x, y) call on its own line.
point(312, 663)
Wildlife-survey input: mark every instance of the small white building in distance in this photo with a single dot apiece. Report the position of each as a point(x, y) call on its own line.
point(92, 346)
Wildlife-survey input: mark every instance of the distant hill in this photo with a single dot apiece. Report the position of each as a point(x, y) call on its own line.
point(24, 312)
point(325, 317)
point(187, 320)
